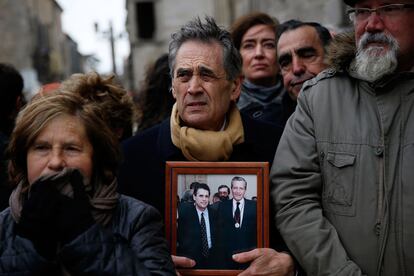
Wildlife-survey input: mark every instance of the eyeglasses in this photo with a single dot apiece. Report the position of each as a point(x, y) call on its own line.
point(387, 11)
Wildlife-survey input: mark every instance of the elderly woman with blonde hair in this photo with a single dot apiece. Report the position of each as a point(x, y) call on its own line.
point(65, 215)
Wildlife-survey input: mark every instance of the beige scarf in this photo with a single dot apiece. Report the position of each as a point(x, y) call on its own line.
point(103, 201)
point(206, 145)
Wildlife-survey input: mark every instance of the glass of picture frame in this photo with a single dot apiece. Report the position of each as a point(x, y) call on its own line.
point(232, 224)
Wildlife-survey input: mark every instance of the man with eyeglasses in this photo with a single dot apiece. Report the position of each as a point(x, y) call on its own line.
point(342, 179)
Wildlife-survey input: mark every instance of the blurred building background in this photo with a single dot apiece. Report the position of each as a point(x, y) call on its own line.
point(33, 40)
point(151, 22)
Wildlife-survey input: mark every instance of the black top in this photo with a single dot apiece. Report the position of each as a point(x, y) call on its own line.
point(5, 189)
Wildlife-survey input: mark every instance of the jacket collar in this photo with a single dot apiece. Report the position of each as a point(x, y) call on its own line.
point(341, 51)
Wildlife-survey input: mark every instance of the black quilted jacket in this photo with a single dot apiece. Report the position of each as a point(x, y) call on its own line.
point(132, 244)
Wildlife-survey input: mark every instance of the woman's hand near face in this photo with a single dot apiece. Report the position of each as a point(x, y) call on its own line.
point(38, 217)
point(74, 214)
point(49, 217)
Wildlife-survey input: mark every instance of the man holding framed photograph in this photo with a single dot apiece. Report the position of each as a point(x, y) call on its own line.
point(205, 125)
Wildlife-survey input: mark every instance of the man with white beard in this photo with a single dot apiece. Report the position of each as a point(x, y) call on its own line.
point(372, 62)
point(342, 179)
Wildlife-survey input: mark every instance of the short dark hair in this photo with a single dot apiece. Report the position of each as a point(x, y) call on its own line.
point(193, 184)
point(203, 186)
point(239, 178)
point(155, 99)
point(224, 186)
point(207, 32)
point(245, 22)
point(323, 33)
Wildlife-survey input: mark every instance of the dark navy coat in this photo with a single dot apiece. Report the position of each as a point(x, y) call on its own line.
point(142, 174)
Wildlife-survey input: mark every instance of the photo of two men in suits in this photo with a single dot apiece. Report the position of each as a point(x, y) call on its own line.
point(229, 227)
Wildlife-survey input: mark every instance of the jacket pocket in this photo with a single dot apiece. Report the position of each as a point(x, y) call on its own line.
point(338, 194)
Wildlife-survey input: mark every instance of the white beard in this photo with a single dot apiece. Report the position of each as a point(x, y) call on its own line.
point(373, 62)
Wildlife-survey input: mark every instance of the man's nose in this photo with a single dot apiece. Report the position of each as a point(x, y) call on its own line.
point(298, 66)
point(374, 23)
point(194, 85)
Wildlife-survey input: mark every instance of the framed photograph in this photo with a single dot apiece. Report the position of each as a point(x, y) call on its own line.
point(214, 210)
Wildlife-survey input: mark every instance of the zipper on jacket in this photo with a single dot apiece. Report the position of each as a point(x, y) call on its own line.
point(381, 228)
point(380, 204)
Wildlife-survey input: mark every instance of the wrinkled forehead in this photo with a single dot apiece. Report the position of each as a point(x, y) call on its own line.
point(238, 184)
point(195, 53)
point(301, 37)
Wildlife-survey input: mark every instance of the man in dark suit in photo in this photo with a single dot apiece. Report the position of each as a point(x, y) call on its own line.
point(237, 222)
point(195, 231)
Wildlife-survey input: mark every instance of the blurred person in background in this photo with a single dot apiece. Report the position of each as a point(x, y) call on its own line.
point(155, 98)
point(224, 192)
point(254, 35)
point(216, 198)
point(11, 100)
point(65, 215)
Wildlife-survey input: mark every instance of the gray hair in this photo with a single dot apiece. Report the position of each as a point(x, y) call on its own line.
point(239, 178)
point(207, 32)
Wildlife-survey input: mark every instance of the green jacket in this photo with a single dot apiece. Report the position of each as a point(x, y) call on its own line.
point(343, 176)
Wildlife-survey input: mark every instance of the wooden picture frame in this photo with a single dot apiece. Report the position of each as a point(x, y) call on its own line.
point(178, 178)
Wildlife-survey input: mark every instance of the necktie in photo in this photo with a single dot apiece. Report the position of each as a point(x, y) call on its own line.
point(237, 216)
point(204, 242)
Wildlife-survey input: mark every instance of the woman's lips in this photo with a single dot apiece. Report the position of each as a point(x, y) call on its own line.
point(259, 66)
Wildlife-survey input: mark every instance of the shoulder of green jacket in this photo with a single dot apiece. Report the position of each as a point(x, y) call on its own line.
point(325, 74)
